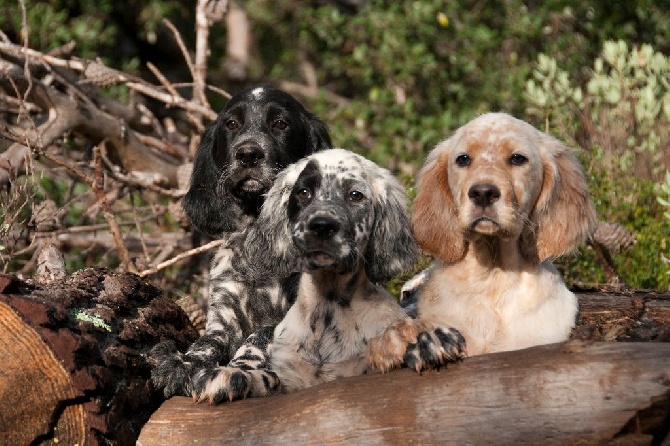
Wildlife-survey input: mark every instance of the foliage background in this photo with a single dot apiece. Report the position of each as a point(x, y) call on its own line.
point(396, 77)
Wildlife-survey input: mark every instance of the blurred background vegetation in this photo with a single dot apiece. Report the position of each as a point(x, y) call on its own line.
point(396, 77)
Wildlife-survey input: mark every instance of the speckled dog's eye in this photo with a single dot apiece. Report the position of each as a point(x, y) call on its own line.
point(303, 193)
point(463, 160)
point(356, 195)
point(517, 159)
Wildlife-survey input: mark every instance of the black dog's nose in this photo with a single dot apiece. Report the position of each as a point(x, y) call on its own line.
point(484, 194)
point(249, 155)
point(323, 227)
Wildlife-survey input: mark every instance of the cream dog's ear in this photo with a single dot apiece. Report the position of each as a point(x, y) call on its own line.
point(434, 215)
point(564, 214)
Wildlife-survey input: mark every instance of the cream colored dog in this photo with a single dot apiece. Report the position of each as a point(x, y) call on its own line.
point(496, 202)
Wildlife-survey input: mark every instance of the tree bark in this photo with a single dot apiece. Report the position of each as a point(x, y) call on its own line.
point(585, 391)
point(74, 370)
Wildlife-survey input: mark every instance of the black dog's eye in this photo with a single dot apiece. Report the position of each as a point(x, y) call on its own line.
point(232, 124)
point(517, 159)
point(355, 195)
point(304, 194)
point(280, 125)
point(463, 160)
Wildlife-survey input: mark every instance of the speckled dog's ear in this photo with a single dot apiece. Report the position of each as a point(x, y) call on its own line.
point(269, 244)
point(391, 250)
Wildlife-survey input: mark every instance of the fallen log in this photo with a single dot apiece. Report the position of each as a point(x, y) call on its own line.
point(573, 392)
point(74, 372)
point(584, 391)
point(73, 367)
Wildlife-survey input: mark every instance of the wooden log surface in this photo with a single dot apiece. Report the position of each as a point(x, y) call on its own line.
point(585, 391)
point(73, 365)
point(574, 392)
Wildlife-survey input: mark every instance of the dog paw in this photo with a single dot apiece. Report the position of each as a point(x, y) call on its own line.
point(435, 348)
point(387, 351)
point(170, 371)
point(220, 384)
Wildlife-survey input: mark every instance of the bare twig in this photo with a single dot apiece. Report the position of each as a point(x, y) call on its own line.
point(132, 82)
point(171, 100)
point(237, 42)
point(202, 24)
point(163, 146)
point(182, 256)
point(26, 34)
point(173, 91)
point(140, 182)
point(94, 228)
point(310, 91)
point(98, 186)
point(67, 114)
point(182, 46)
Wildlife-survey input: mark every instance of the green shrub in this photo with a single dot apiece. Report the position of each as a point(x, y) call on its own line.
point(620, 117)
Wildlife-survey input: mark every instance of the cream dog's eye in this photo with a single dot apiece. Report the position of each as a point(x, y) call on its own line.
point(463, 160)
point(517, 159)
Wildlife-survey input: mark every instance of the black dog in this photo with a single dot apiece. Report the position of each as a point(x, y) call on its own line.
point(260, 132)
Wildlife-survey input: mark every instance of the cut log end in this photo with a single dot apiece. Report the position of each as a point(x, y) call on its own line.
point(74, 370)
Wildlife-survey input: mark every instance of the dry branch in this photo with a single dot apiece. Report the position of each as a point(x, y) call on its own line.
point(68, 114)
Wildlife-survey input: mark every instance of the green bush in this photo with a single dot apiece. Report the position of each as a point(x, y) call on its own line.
point(620, 117)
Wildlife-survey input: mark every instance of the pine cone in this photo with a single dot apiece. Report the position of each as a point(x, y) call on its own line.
point(102, 76)
point(194, 311)
point(613, 237)
point(46, 216)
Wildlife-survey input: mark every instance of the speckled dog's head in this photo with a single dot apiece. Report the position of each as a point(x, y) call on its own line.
point(334, 210)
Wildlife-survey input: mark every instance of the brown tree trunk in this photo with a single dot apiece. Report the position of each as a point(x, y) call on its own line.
point(73, 366)
point(584, 391)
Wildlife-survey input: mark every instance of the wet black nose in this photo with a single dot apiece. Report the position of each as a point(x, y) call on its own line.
point(323, 227)
point(249, 155)
point(484, 194)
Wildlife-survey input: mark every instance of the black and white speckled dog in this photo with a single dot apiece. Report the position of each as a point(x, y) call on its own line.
point(341, 220)
point(260, 132)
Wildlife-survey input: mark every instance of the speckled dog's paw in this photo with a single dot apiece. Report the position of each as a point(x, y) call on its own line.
point(220, 384)
point(434, 349)
point(170, 372)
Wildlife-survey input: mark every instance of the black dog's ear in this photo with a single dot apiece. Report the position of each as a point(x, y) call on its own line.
point(318, 137)
point(207, 205)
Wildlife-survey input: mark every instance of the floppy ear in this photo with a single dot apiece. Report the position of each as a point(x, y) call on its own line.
point(207, 205)
point(269, 243)
point(434, 215)
point(564, 214)
point(391, 248)
point(318, 137)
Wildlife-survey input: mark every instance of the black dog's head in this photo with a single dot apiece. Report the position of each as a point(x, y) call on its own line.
point(260, 132)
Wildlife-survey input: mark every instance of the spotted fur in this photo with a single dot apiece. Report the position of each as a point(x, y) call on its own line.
point(342, 221)
point(260, 132)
